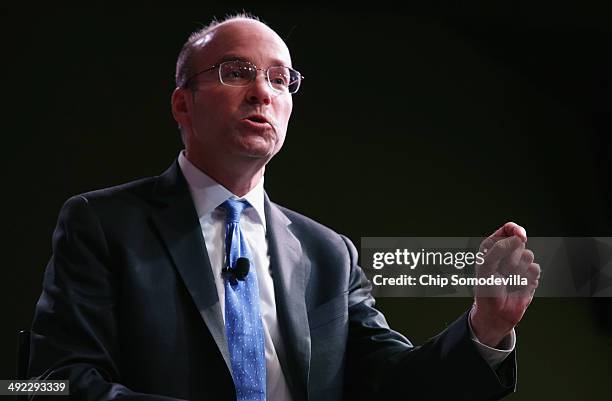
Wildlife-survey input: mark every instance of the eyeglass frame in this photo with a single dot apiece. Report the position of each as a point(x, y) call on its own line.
point(186, 84)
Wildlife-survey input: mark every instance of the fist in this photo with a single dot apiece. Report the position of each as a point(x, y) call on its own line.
point(498, 308)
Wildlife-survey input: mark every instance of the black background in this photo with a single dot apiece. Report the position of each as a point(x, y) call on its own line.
point(445, 120)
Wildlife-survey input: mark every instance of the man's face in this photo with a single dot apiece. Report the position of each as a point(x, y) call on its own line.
point(225, 122)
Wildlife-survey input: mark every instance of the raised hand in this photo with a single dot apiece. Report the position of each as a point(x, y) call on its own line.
point(497, 309)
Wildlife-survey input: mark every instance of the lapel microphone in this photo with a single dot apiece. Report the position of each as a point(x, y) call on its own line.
point(240, 270)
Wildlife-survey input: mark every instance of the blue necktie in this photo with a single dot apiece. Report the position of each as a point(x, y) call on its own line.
point(245, 336)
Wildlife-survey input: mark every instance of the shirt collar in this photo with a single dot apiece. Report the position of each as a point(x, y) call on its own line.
point(208, 194)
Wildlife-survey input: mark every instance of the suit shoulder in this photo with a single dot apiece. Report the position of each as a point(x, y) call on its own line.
point(300, 219)
point(312, 228)
point(140, 186)
point(137, 189)
point(129, 197)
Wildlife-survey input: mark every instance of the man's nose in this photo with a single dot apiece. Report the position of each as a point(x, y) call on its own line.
point(259, 91)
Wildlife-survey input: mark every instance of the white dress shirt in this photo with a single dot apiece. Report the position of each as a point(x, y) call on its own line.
point(207, 196)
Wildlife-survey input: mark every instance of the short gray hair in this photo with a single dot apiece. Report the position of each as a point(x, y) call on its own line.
point(184, 63)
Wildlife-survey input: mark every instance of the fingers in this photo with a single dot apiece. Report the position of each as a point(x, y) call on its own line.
point(517, 262)
point(516, 230)
point(533, 277)
point(510, 251)
point(504, 254)
point(507, 230)
point(509, 257)
point(526, 268)
point(533, 273)
point(529, 274)
point(527, 256)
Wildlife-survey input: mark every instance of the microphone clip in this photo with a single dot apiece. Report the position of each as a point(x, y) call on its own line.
point(239, 272)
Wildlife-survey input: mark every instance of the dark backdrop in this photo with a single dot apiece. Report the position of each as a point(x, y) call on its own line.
point(422, 121)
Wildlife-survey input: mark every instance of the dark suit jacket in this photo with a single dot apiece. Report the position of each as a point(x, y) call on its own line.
point(129, 311)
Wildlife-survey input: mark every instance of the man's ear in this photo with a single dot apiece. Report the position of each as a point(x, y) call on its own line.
point(180, 106)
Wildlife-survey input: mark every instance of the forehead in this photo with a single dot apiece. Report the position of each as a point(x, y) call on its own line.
point(247, 39)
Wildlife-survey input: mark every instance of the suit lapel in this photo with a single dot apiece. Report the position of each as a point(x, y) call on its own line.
point(178, 225)
point(290, 269)
point(177, 222)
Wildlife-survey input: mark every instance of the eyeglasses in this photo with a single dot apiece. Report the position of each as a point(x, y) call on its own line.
point(241, 73)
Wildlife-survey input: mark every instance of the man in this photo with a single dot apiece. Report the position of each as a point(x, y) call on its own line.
point(143, 301)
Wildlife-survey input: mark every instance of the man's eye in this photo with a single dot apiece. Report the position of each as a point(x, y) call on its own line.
point(280, 80)
point(237, 73)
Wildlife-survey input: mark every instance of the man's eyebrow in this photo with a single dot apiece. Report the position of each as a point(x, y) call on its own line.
point(231, 57)
point(235, 57)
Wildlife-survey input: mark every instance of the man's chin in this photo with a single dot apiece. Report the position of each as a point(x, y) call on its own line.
point(258, 154)
point(257, 148)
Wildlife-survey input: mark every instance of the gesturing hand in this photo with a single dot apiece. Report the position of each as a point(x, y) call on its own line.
point(497, 309)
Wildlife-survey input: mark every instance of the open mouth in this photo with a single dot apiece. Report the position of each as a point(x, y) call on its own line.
point(257, 122)
point(257, 119)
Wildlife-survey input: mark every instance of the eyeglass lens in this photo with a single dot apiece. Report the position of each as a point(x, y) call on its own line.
point(241, 73)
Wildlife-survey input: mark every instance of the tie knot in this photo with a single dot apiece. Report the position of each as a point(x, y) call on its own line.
point(233, 209)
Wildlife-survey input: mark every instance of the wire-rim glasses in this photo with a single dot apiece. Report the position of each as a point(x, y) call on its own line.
point(280, 78)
